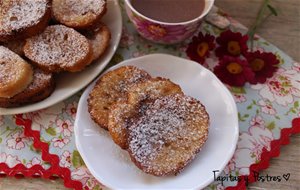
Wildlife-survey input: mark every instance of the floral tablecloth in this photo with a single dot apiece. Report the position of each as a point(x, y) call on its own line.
point(266, 113)
point(18, 157)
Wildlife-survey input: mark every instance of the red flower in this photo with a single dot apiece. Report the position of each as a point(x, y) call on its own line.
point(200, 47)
point(231, 44)
point(263, 64)
point(233, 71)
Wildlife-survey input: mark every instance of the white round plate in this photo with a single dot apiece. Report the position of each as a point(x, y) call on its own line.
point(112, 166)
point(68, 84)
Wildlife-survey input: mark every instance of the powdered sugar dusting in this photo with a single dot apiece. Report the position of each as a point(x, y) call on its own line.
point(8, 62)
point(58, 45)
point(132, 76)
point(15, 46)
point(81, 7)
point(15, 73)
point(19, 14)
point(168, 134)
point(39, 77)
point(119, 117)
point(152, 89)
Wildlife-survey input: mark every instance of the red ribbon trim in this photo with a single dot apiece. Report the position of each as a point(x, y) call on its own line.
point(267, 155)
point(53, 159)
point(66, 174)
point(20, 171)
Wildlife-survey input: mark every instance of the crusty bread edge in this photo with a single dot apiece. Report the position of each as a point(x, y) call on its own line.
point(30, 31)
point(39, 96)
point(184, 165)
point(56, 68)
point(172, 172)
point(88, 25)
point(102, 123)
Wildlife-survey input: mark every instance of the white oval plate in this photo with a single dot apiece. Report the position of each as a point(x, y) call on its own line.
point(68, 84)
point(112, 166)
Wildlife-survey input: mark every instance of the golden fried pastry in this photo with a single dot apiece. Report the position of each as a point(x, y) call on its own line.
point(15, 73)
point(152, 89)
point(79, 14)
point(59, 48)
point(121, 113)
point(99, 38)
point(168, 135)
point(119, 119)
point(15, 46)
point(111, 88)
point(20, 19)
point(40, 88)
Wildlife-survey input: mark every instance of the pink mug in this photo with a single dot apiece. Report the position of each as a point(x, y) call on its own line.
point(164, 32)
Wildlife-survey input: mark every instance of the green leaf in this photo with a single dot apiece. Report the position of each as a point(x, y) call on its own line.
point(47, 163)
point(271, 126)
point(265, 43)
point(212, 186)
point(97, 187)
point(77, 160)
point(89, 183)
point(238, 90)
point(280, 59)
point(51, 131)
point(249, 107)
point(296, 104)
point(33, 149)
point(0, 140)
point(240, 117)
point(273, 10)
point(246, 116)
point(24, 161)
point(118, 58)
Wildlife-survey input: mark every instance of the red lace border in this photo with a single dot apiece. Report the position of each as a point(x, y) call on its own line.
point(66, 174)
point(267, 155)
point(20, 171)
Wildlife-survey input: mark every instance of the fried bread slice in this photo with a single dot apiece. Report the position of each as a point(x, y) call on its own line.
point(15, 73)
point(111, 88)
point(152, 89)
point(168, 135)
point(59, 48)
point(41, 87)
point(99, 38)
point(121, 113)
point(79, 14)
point(119, 119)
point(20, 19)
point(15, 46)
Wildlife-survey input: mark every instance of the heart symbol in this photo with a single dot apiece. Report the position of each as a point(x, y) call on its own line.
point(286, 176)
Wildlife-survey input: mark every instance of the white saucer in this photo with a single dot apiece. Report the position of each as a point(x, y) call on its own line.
point(112, 166)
